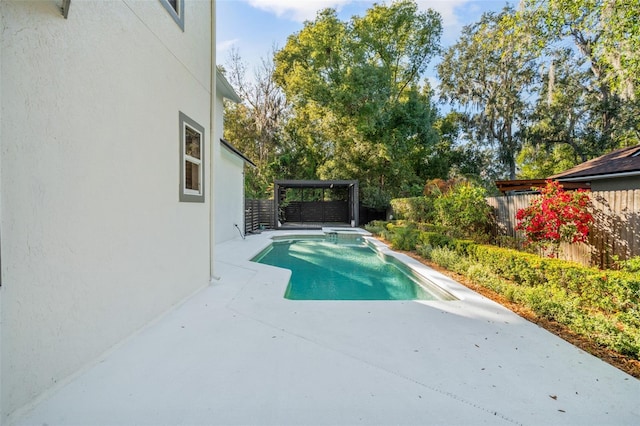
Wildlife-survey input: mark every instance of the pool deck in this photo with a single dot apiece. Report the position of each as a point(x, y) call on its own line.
point(237, 352)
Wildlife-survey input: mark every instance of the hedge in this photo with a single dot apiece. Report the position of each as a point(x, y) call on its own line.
point(608, 290)
point(415, 209)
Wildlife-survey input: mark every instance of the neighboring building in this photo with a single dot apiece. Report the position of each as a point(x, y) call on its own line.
point(618, 170)
point(106, 154)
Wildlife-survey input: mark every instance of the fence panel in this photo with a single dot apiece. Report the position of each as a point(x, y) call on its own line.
point(615, 230)
point(250, 216)
point(317, 211)
point(258, 214)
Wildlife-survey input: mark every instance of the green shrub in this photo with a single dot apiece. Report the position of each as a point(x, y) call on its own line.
point(551, 303)
point(415, 209)
point(463, 246)
point(386, 235)
point(404, 237)
point(376, 227)
point(607, 290)
point(430, 227)
point(449, 259)
point(630, 265)
point(484, 276)
point(465, 210)
point(424, 251)
point(610, 332)
point(380, 223)
point(435, 239)
point(506, 241)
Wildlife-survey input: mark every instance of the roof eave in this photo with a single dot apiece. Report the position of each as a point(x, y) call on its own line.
point(225, 89)
point(599, 177)
point(235, 151)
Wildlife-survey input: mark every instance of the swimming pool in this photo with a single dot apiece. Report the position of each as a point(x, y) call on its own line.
point(345, 267)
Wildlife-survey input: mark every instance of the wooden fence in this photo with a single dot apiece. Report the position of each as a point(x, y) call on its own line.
point(317, 211)
point(615, 231)
point(258, 214)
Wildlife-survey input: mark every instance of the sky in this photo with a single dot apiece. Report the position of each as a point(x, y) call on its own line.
point(255, 27)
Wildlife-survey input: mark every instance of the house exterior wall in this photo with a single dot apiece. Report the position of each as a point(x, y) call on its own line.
point(94, 241)
point(229, 206)
point(229, 185)
point(616, 184)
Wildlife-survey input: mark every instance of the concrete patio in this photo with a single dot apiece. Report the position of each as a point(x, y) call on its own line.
point(237, 352)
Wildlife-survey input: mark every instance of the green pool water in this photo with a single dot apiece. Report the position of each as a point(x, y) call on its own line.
point(333, 270)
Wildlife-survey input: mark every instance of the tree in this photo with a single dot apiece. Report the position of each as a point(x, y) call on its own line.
point(621, 46)
point(457, 156)
point(464, 210)
point(567, 118)
point(537, 161)
point(488, 76)
point(358, 83)
point(606, 34)
point(256, 126)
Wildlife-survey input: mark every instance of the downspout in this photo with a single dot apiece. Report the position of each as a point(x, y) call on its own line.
point(212, 132)
point(2, 411)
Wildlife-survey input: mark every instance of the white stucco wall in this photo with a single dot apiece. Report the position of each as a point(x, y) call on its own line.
point(228, 183)
point(229, 207)
point(95, 243)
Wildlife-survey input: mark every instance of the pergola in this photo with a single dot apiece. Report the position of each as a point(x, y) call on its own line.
point(316, 203)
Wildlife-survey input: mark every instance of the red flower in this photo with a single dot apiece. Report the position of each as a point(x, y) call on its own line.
point(556, 216)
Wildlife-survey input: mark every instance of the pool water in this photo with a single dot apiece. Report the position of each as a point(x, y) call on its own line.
point(333, 270)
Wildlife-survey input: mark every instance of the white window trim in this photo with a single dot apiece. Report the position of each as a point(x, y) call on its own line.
point(193, 160)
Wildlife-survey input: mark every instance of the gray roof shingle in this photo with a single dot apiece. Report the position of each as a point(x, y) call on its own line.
point(620, 161)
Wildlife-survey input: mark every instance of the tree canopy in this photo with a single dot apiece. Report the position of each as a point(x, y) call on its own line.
point(359, 83)
point(491, 79)
point(529, 92)
point(589, 93)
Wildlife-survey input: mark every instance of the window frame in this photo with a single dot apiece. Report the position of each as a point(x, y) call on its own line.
point(177, 15)
point(186, 194)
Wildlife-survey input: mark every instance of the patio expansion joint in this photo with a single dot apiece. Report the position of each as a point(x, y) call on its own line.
point(325, 346)
point(240, 288)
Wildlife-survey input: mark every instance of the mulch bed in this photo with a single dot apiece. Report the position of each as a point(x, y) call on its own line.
point(628, 365)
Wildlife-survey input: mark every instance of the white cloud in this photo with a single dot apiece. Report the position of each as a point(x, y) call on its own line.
point(297, 10)
point(446, 8)
point(226, 45)
point(452, 11)
point(451, 23)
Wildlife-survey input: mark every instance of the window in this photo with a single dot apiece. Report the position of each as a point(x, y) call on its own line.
point(176, 10)
point(191, 160)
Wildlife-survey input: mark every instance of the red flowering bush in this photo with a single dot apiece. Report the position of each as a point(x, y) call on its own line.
point(556, 216)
